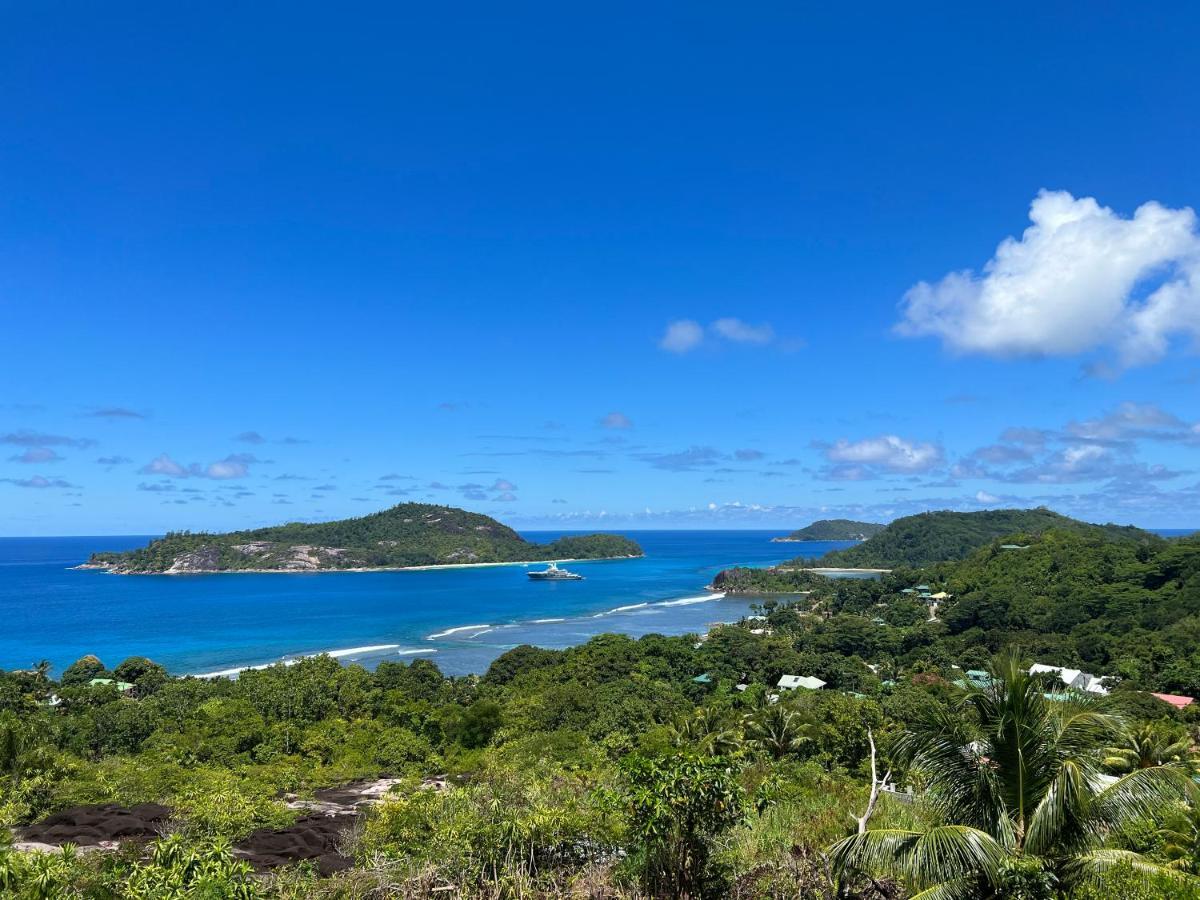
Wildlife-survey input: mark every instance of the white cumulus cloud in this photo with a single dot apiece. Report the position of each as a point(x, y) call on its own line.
point(1079, 278)
point(236, 465)
point(888, 452)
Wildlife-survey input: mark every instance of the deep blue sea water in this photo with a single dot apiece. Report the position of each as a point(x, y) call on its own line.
point(209, 623)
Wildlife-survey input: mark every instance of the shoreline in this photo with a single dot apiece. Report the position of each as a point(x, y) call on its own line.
point(836, 570)
point(431, 567)
point(832, 570)
point(452, 635)
point(788, 540)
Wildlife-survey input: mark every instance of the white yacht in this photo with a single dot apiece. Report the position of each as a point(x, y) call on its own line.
point(554, 573)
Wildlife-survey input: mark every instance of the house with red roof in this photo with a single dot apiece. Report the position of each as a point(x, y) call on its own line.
point(1176, 700)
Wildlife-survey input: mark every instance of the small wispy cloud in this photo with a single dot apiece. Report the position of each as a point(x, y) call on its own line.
point(251, 437)
point(742, 332)
point(685, 335)
point(38, 482)
point(116, 412)
point(113, 460)
point(682, 336)
point(684, 460)
point(36, 455)
point(1132, 422)
point(616, 420)
point(27, 438)
point(157, 487)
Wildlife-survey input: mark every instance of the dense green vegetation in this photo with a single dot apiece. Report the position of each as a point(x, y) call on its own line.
point(608, 770)
point(932, 537)
point(835, 530)
point(411, 534)
point(1075, 598)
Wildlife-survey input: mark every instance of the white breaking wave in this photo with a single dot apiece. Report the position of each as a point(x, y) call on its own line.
point(460, 628)
point(688, 601)
point(292, 660)
point(357, 651)
point(545, 621)
point(621, 609)
point(683, 601)
point(229, 673)
point(414, 652)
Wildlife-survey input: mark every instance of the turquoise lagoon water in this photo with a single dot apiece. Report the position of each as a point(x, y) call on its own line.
point(460, 618)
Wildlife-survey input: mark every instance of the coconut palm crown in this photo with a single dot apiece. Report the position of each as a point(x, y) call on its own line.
point(1017, 781)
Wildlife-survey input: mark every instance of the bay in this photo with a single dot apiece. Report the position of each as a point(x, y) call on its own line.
point(459, 618)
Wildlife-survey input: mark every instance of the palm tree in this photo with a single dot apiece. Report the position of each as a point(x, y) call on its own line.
point(1145, 747)
point(778, 730)
point(706, 730)
point(1017, 781)
point(1181, 837)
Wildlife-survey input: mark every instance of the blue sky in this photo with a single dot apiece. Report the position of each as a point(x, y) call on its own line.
point(596, 265)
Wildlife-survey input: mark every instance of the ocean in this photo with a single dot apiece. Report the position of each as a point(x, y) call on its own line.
point(461, 619)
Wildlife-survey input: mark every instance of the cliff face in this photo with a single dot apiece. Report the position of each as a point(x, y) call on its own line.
point(412, 534)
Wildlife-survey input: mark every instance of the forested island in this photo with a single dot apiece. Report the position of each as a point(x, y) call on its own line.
point(929, 758)
point(833, 530)
point(407, 535)
point(938, 536)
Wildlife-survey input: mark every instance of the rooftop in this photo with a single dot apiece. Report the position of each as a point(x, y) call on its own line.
point(1177, 700)
point(790, 682)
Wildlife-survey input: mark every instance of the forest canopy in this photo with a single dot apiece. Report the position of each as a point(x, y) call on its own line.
point(940, 536)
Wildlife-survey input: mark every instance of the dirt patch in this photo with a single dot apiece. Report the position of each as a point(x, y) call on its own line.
point(315, 837)
point(98, 825)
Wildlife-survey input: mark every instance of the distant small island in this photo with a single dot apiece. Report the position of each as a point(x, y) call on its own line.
point(407, 536)
point(932, 537)
point(928, 539)
point(833, 530)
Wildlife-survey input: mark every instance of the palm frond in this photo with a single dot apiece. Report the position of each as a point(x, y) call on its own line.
point(1141, 793)
point(926, 859)
point(957, 889)
point(1093, 866)
point(1062, 821)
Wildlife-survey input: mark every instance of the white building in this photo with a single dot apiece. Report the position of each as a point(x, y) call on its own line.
point(1075, 679)
point(791, 682)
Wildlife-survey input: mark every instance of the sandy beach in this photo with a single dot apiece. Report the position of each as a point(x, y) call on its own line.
point(426, 568)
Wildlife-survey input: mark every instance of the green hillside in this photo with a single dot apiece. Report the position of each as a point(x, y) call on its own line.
point(940, 536)
point(834, 530)
point(566, 772)
point(411, 534)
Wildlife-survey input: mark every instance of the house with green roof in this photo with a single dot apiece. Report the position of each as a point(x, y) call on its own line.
point(123, 686)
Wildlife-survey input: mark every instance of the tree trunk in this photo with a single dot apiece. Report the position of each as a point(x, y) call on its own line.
point(877, 784)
